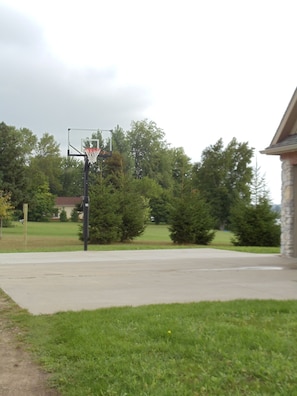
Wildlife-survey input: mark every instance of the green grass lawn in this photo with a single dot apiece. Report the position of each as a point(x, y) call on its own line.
point(57, 236)
point(216, 348)
point(209, 348)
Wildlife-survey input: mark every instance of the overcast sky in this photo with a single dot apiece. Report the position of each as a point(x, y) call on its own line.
point(200, 69)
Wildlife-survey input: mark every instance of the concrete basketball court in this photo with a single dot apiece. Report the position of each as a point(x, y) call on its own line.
point(46, 283)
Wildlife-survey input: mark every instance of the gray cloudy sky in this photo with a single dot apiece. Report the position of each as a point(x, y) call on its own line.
point(200, 69)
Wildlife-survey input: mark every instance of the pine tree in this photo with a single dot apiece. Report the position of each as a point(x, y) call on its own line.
point(63, 216)
point(104, 219)
point(255, 224)
point(191, 221)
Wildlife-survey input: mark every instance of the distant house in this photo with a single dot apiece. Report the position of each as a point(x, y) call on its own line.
point(67, 204)
point(284, 144)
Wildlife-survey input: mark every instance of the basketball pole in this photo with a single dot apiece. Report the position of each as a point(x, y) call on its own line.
point(86, 204)
point(79, 150)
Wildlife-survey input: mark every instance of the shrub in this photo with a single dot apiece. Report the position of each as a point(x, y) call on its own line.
point(74, 215)
point(63, 216)
point(255, 225)
point(191, 221)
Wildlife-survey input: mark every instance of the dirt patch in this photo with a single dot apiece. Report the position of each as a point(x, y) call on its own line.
point(19, 374)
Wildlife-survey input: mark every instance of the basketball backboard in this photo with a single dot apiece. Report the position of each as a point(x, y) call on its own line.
point(81, 139)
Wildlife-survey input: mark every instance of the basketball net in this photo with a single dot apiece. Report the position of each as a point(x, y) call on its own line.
point(92, 154)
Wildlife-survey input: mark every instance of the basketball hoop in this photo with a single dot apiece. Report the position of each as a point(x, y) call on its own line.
point(92, 154)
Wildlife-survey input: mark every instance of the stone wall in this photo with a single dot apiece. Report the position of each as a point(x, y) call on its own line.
point(287, 207)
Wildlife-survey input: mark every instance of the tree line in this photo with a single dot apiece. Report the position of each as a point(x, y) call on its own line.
point(144, 179)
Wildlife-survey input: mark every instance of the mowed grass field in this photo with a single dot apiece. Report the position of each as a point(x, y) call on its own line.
point(58, 236)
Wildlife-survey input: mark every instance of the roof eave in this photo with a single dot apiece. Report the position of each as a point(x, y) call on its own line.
point(287, 120)
point(279, 150)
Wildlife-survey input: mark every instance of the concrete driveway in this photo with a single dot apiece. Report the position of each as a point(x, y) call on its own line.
point(45, 283)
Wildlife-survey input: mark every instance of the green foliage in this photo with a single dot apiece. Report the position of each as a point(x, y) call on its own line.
point(5, 205)
point(120, 144)
point(133, 210)
point(74, 215)
point(112, 169)
point(161, 207)
point(147, 187)
point(16, 146)
point(71, 177)
point(104, 220)
point(258, 186)
point(223, 176)
point(181, 171)
point(191, 221)
point(146, 143)
point(5, 210)
point(63, 216)
point(118, 208)
point(133, 217)
point(46, 165)
point(41, 207)
point(255, 225)
point(118, 212)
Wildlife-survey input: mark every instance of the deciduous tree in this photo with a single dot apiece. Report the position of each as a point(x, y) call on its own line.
point(146, 142)
point(41, 206)
point(5, 208)
point(71, 177)
point(223, 176)
point(48, 161)
point(16, 146)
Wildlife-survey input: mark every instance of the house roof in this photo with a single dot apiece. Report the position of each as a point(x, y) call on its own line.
point(285, 138)
point(68, 201)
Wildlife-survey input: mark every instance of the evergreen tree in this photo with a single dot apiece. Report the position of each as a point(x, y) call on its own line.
point(191, 221)
point(133, 196)
point(134, 213)
point(104, 219)
point(255, 223)
point(63, 216)
point(75, 215)
point(258, 186)
point(118, 211)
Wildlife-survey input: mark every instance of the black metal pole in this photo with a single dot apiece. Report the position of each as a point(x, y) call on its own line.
point(86, 204)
